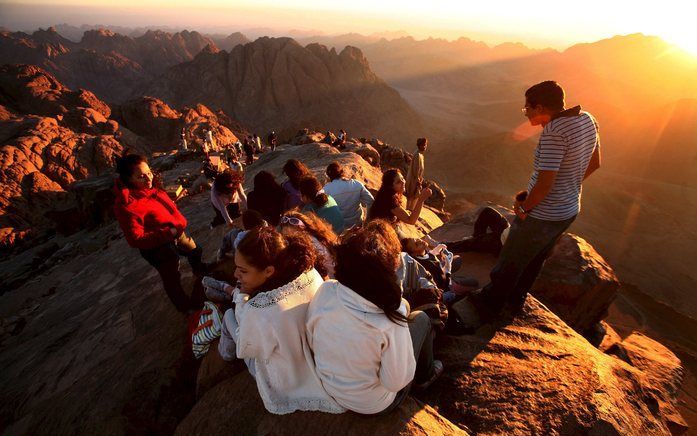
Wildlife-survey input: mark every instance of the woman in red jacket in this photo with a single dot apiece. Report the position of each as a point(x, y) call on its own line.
point(152, 223)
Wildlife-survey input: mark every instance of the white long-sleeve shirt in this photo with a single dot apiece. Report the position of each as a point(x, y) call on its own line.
point(268, 331)
point(220, 201)
point(362, 358)
point(350, 195)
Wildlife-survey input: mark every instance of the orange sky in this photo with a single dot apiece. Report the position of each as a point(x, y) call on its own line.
point(549, 23)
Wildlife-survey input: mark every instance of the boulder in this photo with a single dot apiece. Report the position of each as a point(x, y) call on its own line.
point(576, 283)
point(366, 151)
point(437, 199)
point(533, 374)
point(152, 119)
point(235, 406)
point(663, 371)
point(214, 370)
point(393, 157)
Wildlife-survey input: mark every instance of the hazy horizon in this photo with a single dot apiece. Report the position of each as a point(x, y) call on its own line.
point(542, 27)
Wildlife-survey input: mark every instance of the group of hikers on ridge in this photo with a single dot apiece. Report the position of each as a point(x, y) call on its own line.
point(333, 310)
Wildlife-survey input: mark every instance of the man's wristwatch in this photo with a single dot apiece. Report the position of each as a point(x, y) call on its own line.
point(522, 209)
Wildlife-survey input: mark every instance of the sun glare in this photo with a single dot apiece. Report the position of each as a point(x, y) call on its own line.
point(686, 42)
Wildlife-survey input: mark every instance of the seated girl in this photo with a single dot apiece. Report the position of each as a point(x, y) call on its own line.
point(389, 200)
point(267, 327)
point(368, 349)
point(321, 234)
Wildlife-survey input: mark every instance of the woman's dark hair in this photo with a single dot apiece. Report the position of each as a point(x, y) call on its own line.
point(387, 198)
point(125, 167)
point(289, 255)
point(265, 183)
point(421, 142)
point(548, 94)
point(226, 182)
point(367, 261)
point(252, 219)
point(311, 188)
point(296, 171)
point(335, 171)
point(322, 231)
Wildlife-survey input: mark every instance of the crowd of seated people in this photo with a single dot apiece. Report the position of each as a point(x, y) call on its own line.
point(319, 313)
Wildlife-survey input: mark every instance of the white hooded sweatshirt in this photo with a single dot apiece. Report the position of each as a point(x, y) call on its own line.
point(362, 358)
point(268, 332)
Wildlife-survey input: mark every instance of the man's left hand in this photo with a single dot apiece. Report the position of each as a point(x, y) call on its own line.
point(518, 211)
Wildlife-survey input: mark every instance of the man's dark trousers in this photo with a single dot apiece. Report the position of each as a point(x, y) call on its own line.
point(528, 245)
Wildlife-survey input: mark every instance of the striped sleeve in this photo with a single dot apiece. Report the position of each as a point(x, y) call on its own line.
point(550, 152)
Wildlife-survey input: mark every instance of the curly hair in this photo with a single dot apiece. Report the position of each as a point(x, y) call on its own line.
point(311, 188)
point(125, 166)
point(296, 171)
point(227, 182)
point(367, 261)
point(289, 255)
point(320, 230)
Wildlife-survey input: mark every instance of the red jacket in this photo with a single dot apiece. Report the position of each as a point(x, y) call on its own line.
point(146, 216)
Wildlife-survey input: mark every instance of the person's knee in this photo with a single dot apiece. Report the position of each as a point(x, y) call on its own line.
point(420, 320)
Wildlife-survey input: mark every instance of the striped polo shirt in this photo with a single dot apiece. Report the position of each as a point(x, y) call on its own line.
point(566, 146)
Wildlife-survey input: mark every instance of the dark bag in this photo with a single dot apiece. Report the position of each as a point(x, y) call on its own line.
point(430, 301)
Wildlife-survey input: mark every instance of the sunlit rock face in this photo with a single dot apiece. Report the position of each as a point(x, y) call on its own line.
point(275, 83)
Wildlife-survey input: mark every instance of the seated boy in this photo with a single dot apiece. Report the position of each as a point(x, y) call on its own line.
point(440, 268)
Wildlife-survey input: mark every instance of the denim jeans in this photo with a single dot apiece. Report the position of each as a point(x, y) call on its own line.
point(529, 243)
point(482, 240)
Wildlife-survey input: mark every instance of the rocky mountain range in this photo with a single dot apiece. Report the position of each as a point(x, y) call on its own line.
point(109, 64)
point(275, 83)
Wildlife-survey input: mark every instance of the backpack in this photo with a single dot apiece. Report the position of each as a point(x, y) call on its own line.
point(209, 326)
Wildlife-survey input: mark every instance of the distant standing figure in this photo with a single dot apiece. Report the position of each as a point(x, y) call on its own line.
point(415, 175)
point(567, 153)
point(152, 223)
point(272, 140)
point(209, 139)
point(257, 141)
point(249, 151)
point(182, 141)
point(350, 194)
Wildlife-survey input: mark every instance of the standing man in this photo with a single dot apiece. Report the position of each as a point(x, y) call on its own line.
point(415, 174)
point(567, 153)
point(271, 139)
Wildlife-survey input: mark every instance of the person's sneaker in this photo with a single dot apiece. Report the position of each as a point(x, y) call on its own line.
point(468, 314)
point(456, 263)
point(437, 371)
point(470, 282)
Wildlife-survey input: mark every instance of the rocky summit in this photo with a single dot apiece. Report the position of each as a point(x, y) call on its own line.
point(91, 344)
